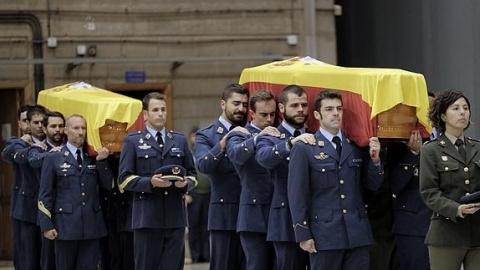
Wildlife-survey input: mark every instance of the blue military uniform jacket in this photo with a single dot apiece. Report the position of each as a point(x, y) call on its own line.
point(13, 145)
point(155, 207)
point(68, 200)
point(324, 191)
point(224, 180)
point(411, 215)
point(273, 154)
point(257, 189)
point(30, 160)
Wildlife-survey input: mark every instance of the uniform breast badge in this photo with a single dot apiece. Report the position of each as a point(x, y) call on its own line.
point(65, 166)
point(321, 143)
point(144, 146)
point(220, 130)
point(322, 156)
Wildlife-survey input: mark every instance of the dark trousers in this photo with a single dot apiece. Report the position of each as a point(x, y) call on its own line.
point(341, 259)
point(77, 254)
point(30, 246)
point(259, 253)
point(198, 236)
point(290, 256)
point(451, 258)
point(226, 251)
point(159, 249)
point(16, 237)
point(412, 252)
point(117, 249)
point(47, 260)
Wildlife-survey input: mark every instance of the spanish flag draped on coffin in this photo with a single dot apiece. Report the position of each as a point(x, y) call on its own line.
point(388, 103)
point(110, 116)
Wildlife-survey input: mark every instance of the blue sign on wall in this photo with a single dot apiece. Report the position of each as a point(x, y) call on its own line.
point(135, 76)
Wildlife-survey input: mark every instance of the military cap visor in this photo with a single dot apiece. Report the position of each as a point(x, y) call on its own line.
point(172, 172)
point(471, 198)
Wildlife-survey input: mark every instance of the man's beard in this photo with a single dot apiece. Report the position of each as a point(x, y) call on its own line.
point(236, 119)
point(293, 122)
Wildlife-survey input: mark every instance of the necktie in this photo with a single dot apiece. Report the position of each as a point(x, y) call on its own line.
point(296, 133)
point(338, 143)
point(461, 149)
point(79, 158)
point(160, 139)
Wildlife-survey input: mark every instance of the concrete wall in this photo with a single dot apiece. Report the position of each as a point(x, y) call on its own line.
point(160, 30)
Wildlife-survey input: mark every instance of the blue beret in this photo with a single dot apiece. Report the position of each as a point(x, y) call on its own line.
point(471, 198)
point(172, 172)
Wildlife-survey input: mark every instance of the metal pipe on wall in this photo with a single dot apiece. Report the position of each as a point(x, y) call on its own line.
point(310, 13)
point(37, 43)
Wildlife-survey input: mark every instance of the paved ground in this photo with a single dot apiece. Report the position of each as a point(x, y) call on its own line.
point(7, 265)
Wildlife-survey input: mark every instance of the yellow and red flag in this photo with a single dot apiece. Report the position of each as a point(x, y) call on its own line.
point(96, 105)
point(366, 92)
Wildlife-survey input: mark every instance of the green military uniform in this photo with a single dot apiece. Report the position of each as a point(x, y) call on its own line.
point(444, 178)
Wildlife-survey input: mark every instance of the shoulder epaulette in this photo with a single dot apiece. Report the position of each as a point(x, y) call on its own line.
point(134, 133)
point(427, 142)
point(473, 139)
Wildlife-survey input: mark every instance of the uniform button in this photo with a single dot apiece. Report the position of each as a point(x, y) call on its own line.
point(342, 182)
point(23, 192)
point(215, 158)
point(83, 193)
point(304, 223)
point(342, 196)
point(288, 158)
point(178, 155)
point(114, 193)
point(446, 168)
point(83, 203)
point(283, 204)
point(405, 168)
point(246, 149)
point(221, 200)
point(276, 152)
point(64, 175)
point(82, 184)
point(394, 196)
point(206, 158)
point(403, 206)
point(323, 170)
point(146, 156)
point(60, 209)
point(242, 145)
point(467, 182)
point(344, 211)
point(166, 193)
point(141, 197)
point(143, 192)
point(465, 169)
point(339, 167)
point(467, 193)
point(106, 199)
point(254, 201)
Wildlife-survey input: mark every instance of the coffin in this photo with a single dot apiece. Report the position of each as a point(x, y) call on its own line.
point(109, 116)
point(387, 103)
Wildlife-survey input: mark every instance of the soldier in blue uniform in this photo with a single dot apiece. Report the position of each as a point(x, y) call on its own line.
point(257, 189)
point(273, 153)
point(411, 216)
point(25, 209)
point(68, 200)
point(53, 127)
point(159, 213)
point(324, 191)
point(8, 153)
point(211, 159)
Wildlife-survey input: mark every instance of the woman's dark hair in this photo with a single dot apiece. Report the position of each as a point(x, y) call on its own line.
point(440, 104)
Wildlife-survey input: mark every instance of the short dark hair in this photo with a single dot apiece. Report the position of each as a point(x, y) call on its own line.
point(23, 108)
point(34, 110)
point(431, 94)
point(52, 114)
point(440, 105)
point(233, 88)
point(293, 88)
point(152, 95)
point(326, 94)
point(260, 95)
